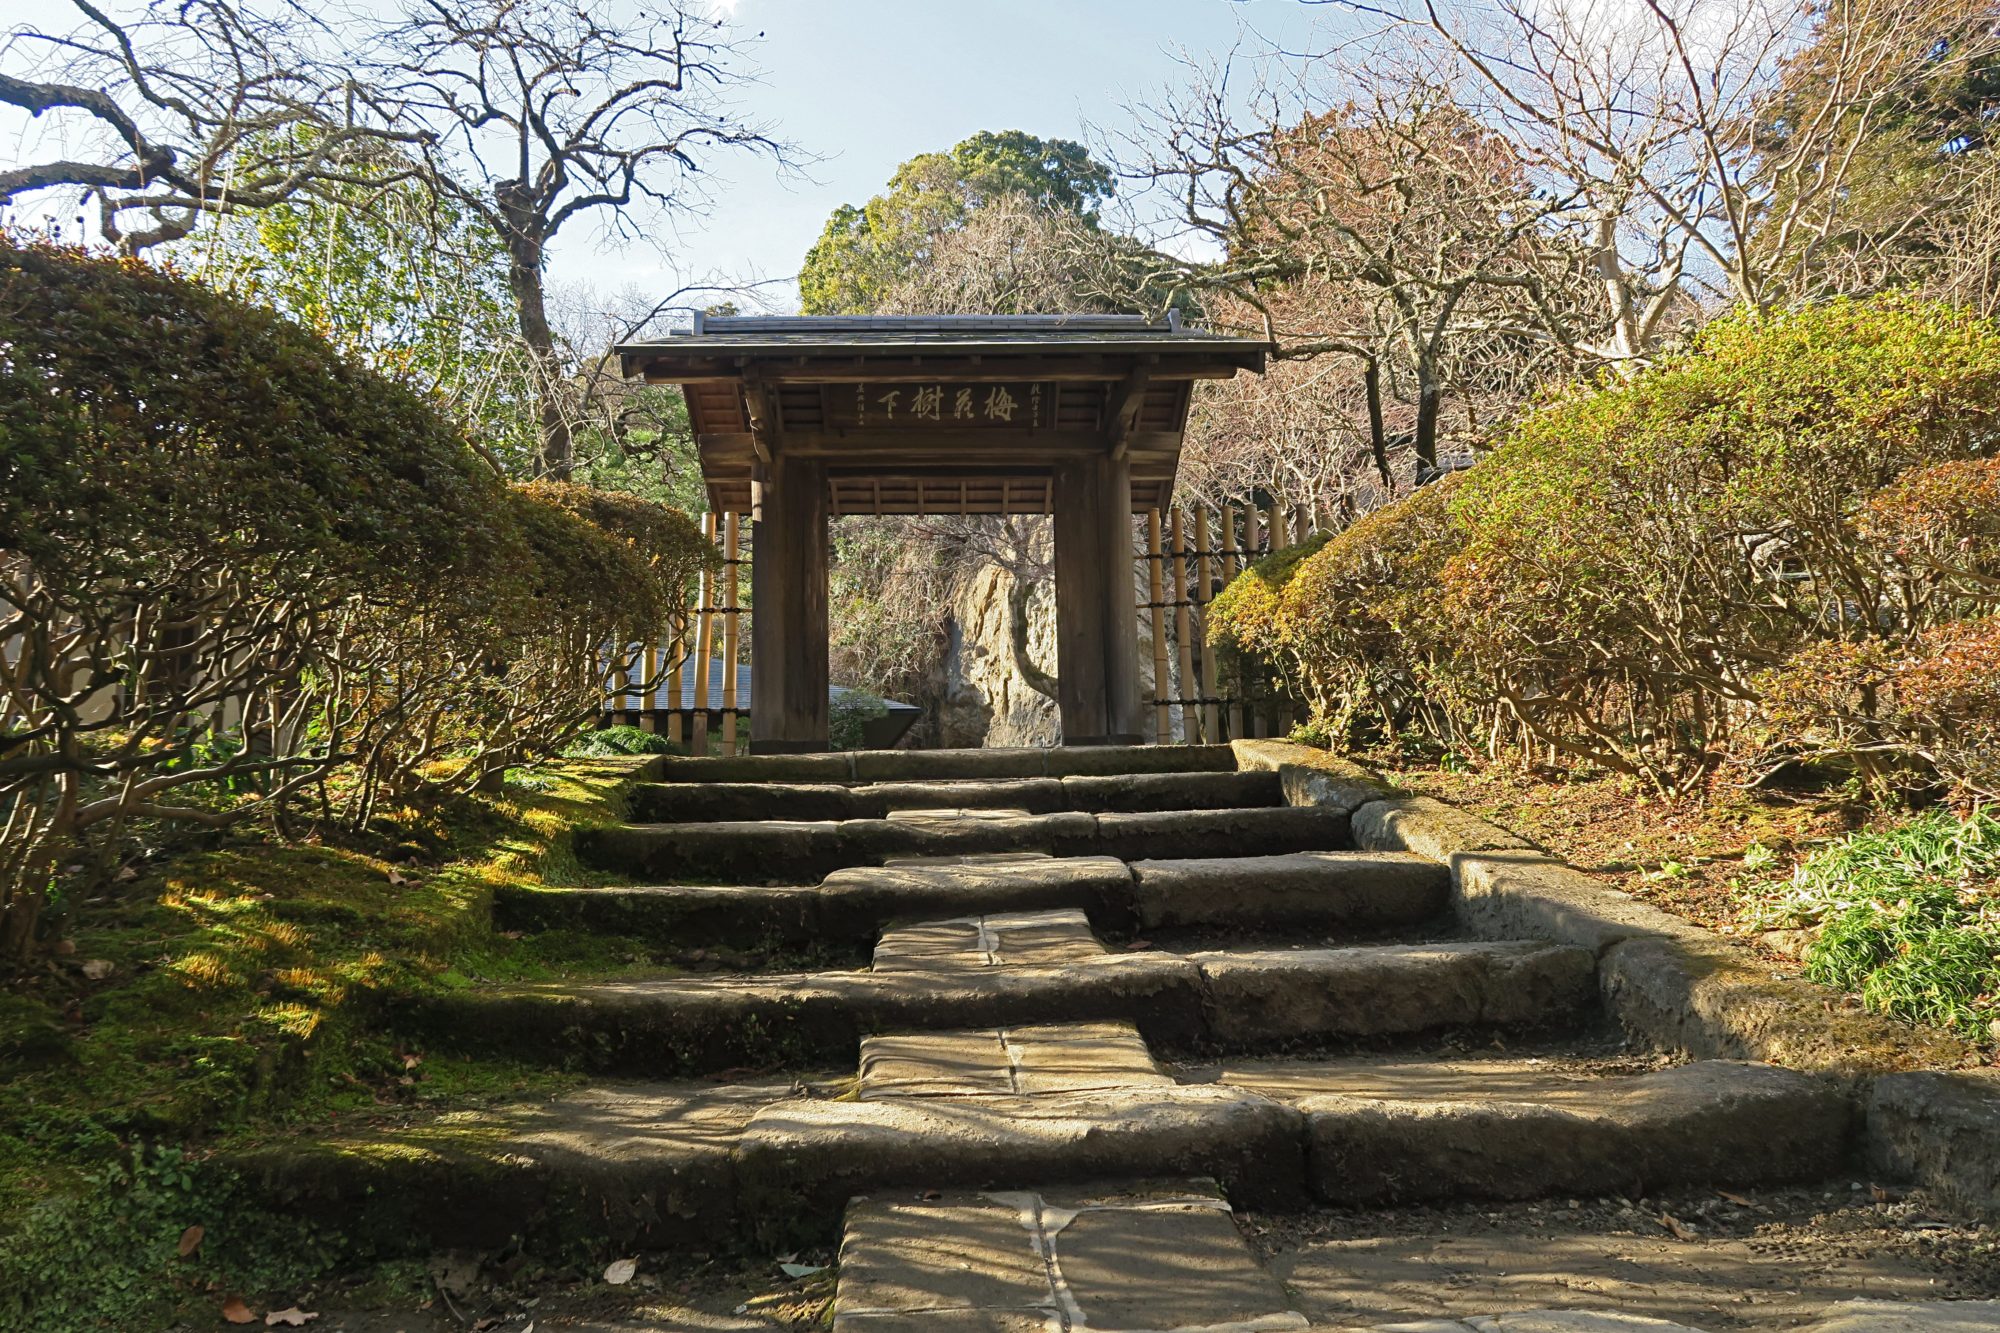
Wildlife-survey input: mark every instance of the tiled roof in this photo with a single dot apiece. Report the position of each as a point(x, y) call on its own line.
point(842, 334)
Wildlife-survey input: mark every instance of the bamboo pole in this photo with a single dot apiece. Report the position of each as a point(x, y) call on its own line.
point(1162, 686)
point(1204, 589)
point(730, 545)
point(649, 687)
point(704, 644)
point(1183, 645)
point(675, 730)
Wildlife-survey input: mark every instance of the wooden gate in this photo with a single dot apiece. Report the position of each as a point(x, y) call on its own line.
point(1189, 556)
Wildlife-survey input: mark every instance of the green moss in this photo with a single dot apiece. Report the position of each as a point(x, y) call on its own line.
point(245, 999)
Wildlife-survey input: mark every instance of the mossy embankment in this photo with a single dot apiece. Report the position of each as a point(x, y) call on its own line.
point(234, 992)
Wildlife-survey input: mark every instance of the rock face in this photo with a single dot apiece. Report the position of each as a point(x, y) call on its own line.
point(987, 700)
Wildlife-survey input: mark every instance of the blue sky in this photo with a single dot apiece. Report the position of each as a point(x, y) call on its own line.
point(863, 85)
point(867, 84)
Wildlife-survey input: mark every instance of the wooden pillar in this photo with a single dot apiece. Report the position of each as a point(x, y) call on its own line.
point(788, 629)
point(1097, 623)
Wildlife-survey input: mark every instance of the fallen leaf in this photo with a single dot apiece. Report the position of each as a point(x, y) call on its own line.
point(191, 1240)
point(397, 877)
point(412, 1061)
point(801, 1270)
point(1680, 1229)
point(65, 947)
point(125, 875)
point(236, 1312)
point(621, 1271)
point(292, 1318)
point(1736, 1199)
point(96, 969)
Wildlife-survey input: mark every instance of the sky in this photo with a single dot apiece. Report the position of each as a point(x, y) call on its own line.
point(867, 84)
point(861, 86)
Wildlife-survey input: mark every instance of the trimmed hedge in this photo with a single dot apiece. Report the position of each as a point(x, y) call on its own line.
point(234, 566)
point(1617, 581)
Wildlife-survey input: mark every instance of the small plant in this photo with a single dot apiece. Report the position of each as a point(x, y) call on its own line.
point(1908, 918)
point(612, 741)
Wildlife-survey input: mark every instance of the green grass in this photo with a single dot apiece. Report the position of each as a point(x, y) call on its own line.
point(238, 1006)
point(1907, 918)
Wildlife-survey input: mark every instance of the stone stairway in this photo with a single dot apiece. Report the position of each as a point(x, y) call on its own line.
point(1078, 1016)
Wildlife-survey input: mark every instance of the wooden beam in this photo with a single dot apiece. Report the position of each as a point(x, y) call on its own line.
point(788, 623)
point(1122, 412)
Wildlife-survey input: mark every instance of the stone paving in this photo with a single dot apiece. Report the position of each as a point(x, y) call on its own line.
point(994, 1125)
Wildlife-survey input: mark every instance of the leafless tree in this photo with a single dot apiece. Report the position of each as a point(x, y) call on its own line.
point(1658, 122)
point(1393, 229)
point(187, 108)
point(537, 114)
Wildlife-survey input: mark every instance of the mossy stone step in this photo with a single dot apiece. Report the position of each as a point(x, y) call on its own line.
point(859, 766)
point(688, 802)
point(806, 851)
point(1307, 891)
point(1218, 1000)
point(1407, 1130)
point(1160, 1256)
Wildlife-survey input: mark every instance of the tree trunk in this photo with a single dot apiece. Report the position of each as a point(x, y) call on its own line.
point(1430, 398)
point(524, 280)
point(1378, 437)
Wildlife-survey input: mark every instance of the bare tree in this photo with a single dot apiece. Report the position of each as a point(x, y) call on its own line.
point(1655, 123)
point(189, 108)
point(537, 114)
point(1397, 231)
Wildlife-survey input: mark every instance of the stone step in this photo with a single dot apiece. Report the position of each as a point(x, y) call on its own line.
point(1154, 1256)
point(862, 766)
point(806, 851)
point(1307, 891)
point(1018, 1061)
point(688, 802)
point(1404, 1130)
point(1225, 1000)
point(665, 1165)
point(1000, 939)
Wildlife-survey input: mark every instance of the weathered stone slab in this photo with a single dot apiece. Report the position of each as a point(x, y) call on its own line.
point(1179, 835)
point(925, 765)
point(1160, 1262)
point(797, 1164)
point(1509, 894)
point(1308, 890)
point(963, 1254)
point(1429, 827)
point(1695, 993)
point(629, 1165)
point(1089, 760)
point(704, 1024)
point(1414, 1130)
point(1034, 795)
point(711, 802)
point(754, 768)
point(1024, 1061)
point(1157, 1258)
point(1272, 997)
point(1134, 793)
point(1002, 939)
point(1314, 777)
point(688, 917)
point(1910, 1317)
point(910, 888)
point(1942, 1130)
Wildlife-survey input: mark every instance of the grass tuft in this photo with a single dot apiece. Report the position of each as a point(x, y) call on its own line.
point(1907, 918)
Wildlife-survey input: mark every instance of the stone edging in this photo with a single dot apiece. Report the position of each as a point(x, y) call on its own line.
point(1927, 1117)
